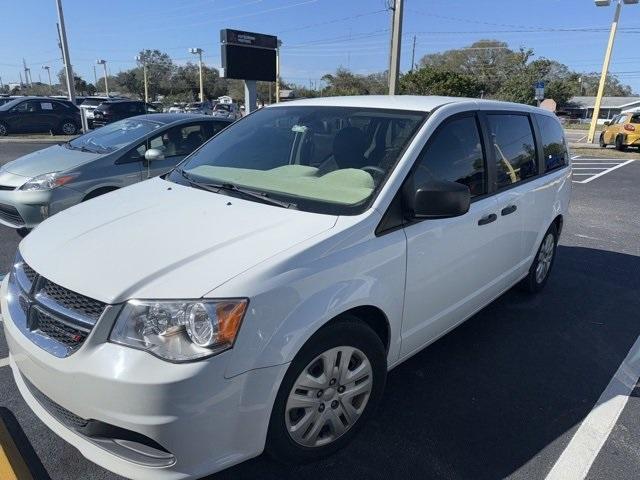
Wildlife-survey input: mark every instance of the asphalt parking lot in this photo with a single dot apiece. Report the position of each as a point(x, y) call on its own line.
point(509, 394)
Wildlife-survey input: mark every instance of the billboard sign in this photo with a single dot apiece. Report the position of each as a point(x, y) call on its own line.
point(248, 55)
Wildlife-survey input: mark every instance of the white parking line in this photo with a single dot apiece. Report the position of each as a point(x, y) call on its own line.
point(4, 362)
point(576, 460)
point(590, 168)
point(607, 171)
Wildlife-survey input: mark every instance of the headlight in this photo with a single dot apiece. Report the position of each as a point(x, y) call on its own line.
point(179, 331)
point(48, 181)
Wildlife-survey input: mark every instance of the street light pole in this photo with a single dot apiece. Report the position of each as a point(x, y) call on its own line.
point(198, 51)
point(71, 88)
point(396, 38)
point(142, 60)
point(104, 66)
point(48, 69)
point(607, 61)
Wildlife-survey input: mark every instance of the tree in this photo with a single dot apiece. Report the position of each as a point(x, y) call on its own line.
point(186, 79)
point(432, 81)
point(344, 82)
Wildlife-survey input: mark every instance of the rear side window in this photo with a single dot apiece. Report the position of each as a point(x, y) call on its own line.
point(635, 119)
point(454, 154)
point(553, 143)
point(514, 148)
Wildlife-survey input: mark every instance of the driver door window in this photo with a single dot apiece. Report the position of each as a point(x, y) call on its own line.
point(27, 107)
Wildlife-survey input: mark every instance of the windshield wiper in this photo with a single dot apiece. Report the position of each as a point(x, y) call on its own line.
point(231, 187)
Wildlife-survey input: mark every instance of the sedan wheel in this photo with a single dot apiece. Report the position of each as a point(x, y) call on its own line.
point(545, 257)
point(329, 396)
point(3, 130)
point(69, 128)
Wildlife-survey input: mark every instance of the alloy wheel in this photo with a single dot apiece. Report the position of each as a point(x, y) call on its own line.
point(329, 396)
point(545, 256)
point(68, 128)
point(3, 130)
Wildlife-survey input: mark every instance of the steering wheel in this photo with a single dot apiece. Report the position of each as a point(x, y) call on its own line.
point(376, 172)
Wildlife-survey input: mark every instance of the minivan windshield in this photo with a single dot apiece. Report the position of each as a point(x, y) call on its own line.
point(322, 159)
point(113, 136)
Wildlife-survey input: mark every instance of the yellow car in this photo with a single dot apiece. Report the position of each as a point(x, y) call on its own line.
point(622, 131)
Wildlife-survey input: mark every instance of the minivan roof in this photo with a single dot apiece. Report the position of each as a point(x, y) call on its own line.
point(404, 102)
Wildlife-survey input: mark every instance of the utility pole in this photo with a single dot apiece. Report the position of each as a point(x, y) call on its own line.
point(141, 59)
point(607, 61)
point(106, 83)
point(95, 78)
point(71, 88)
point(198, 51)
point(396, 38)
point(413, 54)
point(26, 72)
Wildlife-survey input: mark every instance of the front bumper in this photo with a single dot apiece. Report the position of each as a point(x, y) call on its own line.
point(24, 209)
point(206, 421)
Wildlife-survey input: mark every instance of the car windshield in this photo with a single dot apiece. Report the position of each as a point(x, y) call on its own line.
point(92, 102)
point(223, 106)
point(322, 159)
point(113, 136)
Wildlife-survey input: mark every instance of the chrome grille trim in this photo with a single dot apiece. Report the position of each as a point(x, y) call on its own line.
point(56, 319)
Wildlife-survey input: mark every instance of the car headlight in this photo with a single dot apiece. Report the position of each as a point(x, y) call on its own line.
point(179, 331)
point(48, 181)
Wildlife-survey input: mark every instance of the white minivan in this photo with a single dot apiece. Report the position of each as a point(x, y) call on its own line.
point(255, 297)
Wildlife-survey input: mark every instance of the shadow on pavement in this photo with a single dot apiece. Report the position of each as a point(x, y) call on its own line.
point(487, 399)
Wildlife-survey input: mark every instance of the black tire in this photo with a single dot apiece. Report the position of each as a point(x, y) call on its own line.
point(532, 283)
point(4, 129)
point(619, 145)
point(68, 127)
point(348, 331)
point(601, 141)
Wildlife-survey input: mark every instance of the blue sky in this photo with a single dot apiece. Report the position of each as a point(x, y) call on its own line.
point(317, 35)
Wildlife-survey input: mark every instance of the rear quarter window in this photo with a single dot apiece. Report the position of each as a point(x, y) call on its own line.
point(553, 143)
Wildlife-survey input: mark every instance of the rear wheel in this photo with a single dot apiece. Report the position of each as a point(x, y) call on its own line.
point(330, 390)
point(619, 144)
point(4, 130)
point(68, 127)
point(541, 267)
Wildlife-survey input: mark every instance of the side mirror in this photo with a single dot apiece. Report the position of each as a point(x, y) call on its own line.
point(153, 154)
point(606, 124)
point(436, 199)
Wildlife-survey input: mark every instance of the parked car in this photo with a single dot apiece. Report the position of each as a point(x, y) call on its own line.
point(202, 108)
point(44, 182)
point(39, 115)
point(256, 296)
point(90, 104)
point(622, 131)
point(227, 110)
point(114, 110)
point(177, 107)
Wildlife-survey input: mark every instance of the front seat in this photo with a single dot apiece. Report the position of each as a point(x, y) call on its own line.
point(349, 146)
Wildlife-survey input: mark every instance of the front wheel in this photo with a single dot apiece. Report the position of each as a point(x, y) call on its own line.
point(331, 388)
point(602, 142)
point(541, 267)
point(4, 130)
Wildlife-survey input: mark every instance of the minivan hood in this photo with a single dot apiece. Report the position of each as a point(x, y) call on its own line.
point(51, 159)
point(158, 239)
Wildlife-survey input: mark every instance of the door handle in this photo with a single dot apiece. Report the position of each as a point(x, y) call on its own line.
point(488, 219)
point(508, 210)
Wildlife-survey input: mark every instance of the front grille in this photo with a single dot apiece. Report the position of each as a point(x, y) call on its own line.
point(64, 416)
point(86, 306)
point(29, 272)
point(55, 318)
point(10, 214)
point(57, 329)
